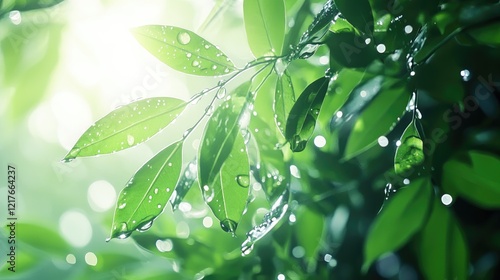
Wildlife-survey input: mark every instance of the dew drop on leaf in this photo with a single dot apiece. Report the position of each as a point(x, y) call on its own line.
point(121, 206)
point(184, 38)
point(228, 225)
point(130, 140)
point(195, 63)
point(208, 193)
point(243, 180)
point(145, 226)
point(221, 93)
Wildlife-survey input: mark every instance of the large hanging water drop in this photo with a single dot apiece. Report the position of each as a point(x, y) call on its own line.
point(243, 180)
point(228, 225)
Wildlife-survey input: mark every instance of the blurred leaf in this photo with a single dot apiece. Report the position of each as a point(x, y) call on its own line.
point(227, 195)
point(42, 238)
point(442, 250)
point(265, 26)
point(402, 216)
point(411, 151)
point(25, 5)
point(284, 98)
point(187, 179)
point(358, 13)
point(217, 11)
point(147, 192)
point(476, 180)
point(350, 50)
point(309, 232)
point(487, 35)
point(377, 119)
point(183, 50)
point(127, 126)
point(270, 220)
point(302, 118)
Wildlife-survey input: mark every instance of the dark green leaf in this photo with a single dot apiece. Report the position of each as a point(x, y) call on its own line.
point(487, 35)
point(284, 98)
point(25, 5)
point(476, 180)
point(442, 251)
point(183, 50)
point(265, 26)
point(147, 192)
point(350, 50)
point(403, 215)
point(377, 119)
point(302, 118)
point(127, 126)
point(358, 13)
point(411, 151)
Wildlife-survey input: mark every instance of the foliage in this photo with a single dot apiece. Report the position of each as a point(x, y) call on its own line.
point(407, 98)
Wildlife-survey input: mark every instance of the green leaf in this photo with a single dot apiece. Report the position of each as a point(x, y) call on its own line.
point(487, 35)
point(127, 126)
point(147, 192)
point(183, 50)
point(339, 91)
point(411, 151)
point(476, 180)
point(302, 118)
point(220, 134)
point(358, 13)
point(377, 119)
point(42, 238)
point(227, 195)
point(284, 98)
point(186, 181)
point(402, 216)
point(265, 26)
point(349, 50)
point(442, 251)
point(309, 230)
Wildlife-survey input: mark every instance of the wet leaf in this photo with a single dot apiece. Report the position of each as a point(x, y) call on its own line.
point(400, 218)
point(127, 126)
point(228, 193)
point(377, 119)
point(284, 98)
point(147, 192)
point(220, 134)
point(265, 26)
point(187, 179)
point(270, 220)
point(411, 151)
point(442, 250)
point(302, 118)
point(183, 50)
point(358, 13)
point(476, 179)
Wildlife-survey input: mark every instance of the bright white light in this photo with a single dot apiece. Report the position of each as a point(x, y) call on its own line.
point(71, 259)
point(185, 206)
point(164, 245)
point(381, 48)
point(208, 222)
point(294, 171)
point(408, 29)
point(446, 199)
point(383, 141)
point(91, 259)
point(406, 181)
point(101, 196)
point(339, 114)
point(292, 219)
point(182, 230)
point(42, 123)
point(327, 258)
point(15, 17)
point(324, 60)
point(281, 277)
point(368, 41)
point(298, 252)
point(362, 93)
point(398, 143)
point(75, 228)
point(319, 141)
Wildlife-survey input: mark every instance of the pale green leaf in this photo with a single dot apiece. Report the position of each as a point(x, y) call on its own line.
point(284, 98)
point(265, 26)
point(127, 126)
point(147, 192)
point(183, 50)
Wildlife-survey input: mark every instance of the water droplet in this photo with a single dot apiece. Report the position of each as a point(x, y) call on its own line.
point(207, 47)
point(228, 225)
point(221, 93)
point(188, 55)
point(156, 191)
point(214, 67)
point(184, 38)
point(145, 225)
point(465, 75)
point(130, 140)
point(208, 193)
point(123, 231)
point(243, 180)
point(121, 206)
point(280, 66)
point(195, 63)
